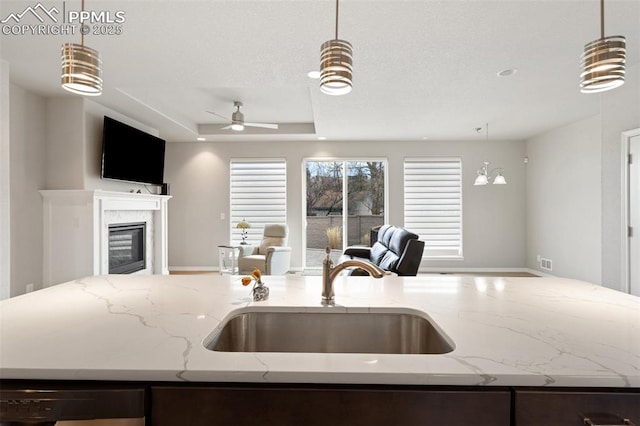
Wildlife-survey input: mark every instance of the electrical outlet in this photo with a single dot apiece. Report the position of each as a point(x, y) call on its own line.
point(29, 288)
point(538, 258)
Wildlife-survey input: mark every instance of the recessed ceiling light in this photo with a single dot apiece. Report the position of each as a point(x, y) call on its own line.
point(507, 73)
point(424, 138)
point(322, 138)
point(314, 74)
point(202, 139)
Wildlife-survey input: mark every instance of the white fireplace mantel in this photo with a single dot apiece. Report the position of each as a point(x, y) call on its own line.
point(76, 231)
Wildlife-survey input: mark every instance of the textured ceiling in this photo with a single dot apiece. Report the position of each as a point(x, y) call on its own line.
point(422, 69)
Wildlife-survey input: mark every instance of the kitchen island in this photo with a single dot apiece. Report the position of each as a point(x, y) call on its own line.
point(507, 332)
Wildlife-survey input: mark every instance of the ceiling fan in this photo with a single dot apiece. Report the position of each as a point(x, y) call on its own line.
point(237, 120)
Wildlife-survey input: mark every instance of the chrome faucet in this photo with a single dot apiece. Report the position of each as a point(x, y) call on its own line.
point(329, 273)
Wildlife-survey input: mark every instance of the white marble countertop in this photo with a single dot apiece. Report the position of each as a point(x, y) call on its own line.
point(507, 331)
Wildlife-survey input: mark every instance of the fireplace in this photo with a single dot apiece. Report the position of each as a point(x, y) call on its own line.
point(127, 247)
point(76, 232)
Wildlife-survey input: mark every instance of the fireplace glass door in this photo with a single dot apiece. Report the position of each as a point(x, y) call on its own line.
point(126, 248)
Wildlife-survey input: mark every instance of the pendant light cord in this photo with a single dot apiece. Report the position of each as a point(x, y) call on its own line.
point(601, 18)
point(82, 32)
point(337, 5)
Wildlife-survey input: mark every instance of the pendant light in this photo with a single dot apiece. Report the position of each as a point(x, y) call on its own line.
point(483, 175)
point(336, 65)
point(603, 61)
point(81, 67)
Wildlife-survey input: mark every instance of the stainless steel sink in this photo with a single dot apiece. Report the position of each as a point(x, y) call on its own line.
point(383, 331)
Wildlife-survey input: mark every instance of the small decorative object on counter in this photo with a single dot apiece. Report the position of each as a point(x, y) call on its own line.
point(260, 291)
point(243, 225)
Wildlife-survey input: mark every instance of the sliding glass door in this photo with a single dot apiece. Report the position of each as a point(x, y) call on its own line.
point(344, 200)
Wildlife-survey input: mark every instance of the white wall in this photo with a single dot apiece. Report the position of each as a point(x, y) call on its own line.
point(64, 142)
point(49, 143)
point(74, 144)
point(93, 121)
point(589, 212)
point(563, 199)
point(5, 187)
point(27, 176)
point(493, 216)
point(620, 110)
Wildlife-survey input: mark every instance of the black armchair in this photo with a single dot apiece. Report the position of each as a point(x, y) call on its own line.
point(396, 250)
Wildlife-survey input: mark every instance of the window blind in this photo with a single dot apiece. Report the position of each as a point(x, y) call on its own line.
point(258, 195)
point(433, 204)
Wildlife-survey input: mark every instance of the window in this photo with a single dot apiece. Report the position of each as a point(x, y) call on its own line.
point(433, 204)
point(258, 195)
point(344, 200)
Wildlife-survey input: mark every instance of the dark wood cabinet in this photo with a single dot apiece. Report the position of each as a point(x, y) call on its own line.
point(242, 404)
point(327, 405)
point(571, 408)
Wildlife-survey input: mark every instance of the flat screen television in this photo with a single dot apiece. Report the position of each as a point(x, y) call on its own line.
point(131, 155)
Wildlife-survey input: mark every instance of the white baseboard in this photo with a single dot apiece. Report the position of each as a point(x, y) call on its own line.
point(194, 268)
point(540, 273)
point(440, 269)
point(211, 269)
point(436, 270)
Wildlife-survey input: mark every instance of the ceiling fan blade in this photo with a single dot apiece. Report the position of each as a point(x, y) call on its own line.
point(221, 116)
point(263, 125)
point(226, 127)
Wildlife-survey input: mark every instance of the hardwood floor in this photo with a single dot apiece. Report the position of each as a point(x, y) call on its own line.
point(317, 272)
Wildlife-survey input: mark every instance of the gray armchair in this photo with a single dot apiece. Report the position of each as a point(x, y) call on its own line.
point(272, 256)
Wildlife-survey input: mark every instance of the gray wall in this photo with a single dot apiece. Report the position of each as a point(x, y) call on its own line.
point(493, 216)
point(52, 143)
point(588, 155)
point(93, 115)
point(64, 142)
point(620, 111)
point(563, 199)
point(5, 187)
point(74, 144)
point(27, 177)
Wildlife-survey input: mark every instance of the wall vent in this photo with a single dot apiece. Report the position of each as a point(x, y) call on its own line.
point(546, 264)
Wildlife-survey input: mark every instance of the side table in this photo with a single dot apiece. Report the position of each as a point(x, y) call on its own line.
point(228, 259)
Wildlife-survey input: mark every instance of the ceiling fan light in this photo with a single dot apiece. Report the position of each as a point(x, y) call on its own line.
point(237, 115)
point(81, 70)
point(336, 67)
point(237, 118)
